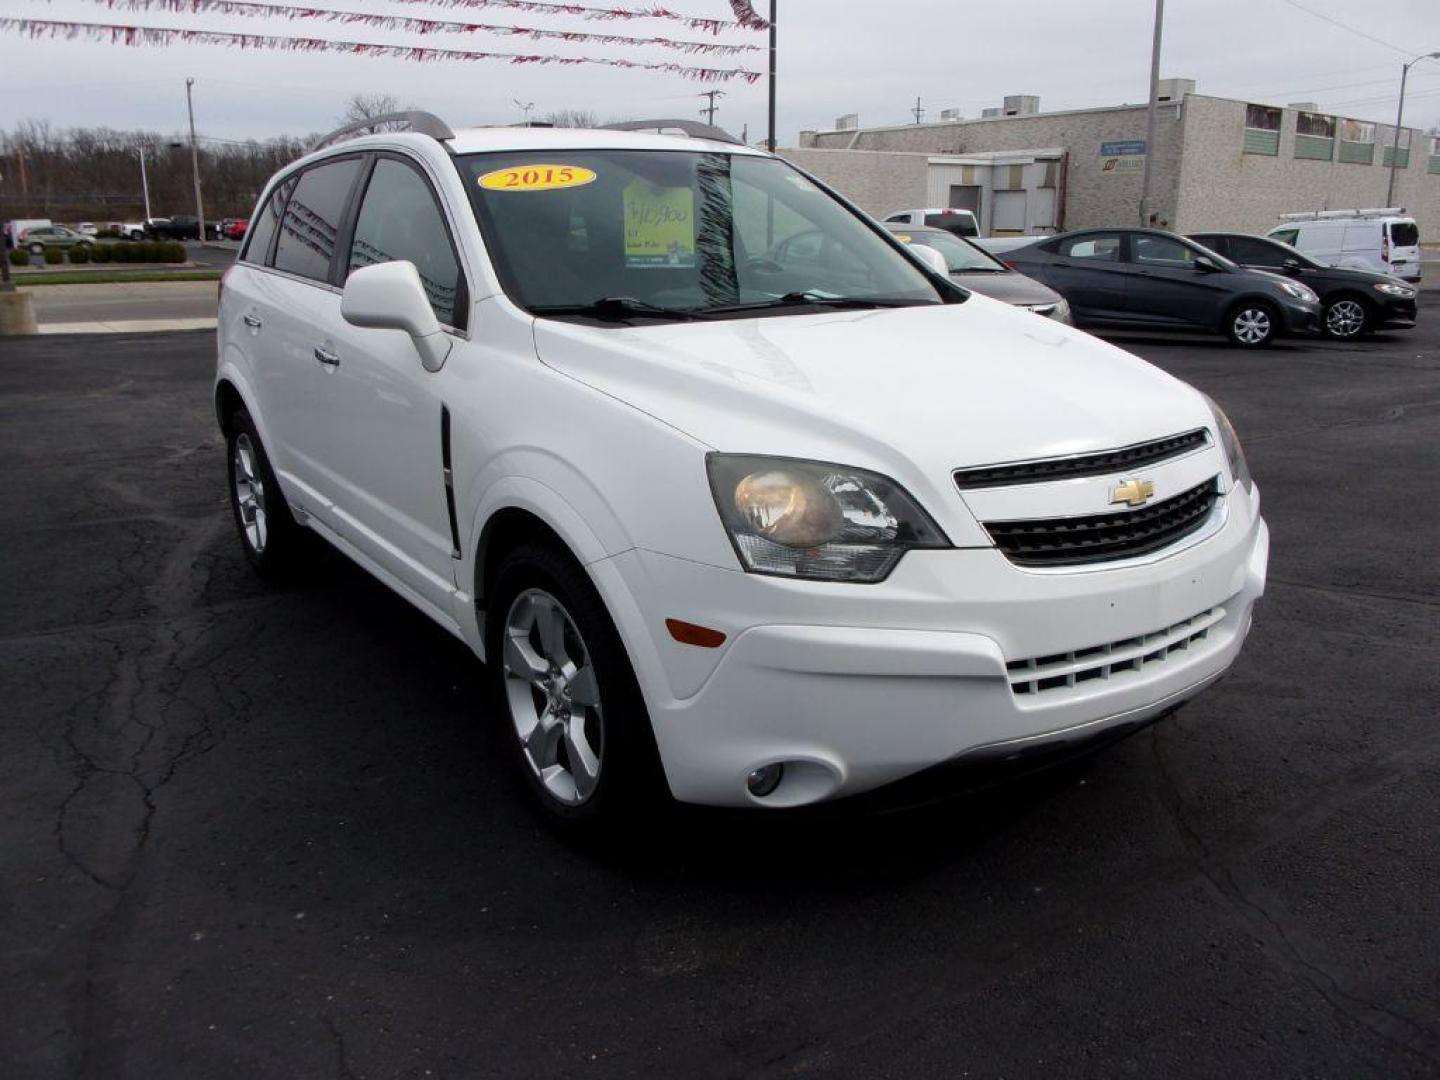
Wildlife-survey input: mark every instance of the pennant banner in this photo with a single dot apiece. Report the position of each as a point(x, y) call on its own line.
point(157, 35)
point(746, 17)
point(419, 25)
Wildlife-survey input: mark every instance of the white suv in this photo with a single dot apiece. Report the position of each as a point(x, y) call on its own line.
point(763, 530)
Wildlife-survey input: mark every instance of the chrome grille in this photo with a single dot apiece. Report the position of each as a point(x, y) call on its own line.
point(1069, 541)
point(1059, 671)
point(1125, 459)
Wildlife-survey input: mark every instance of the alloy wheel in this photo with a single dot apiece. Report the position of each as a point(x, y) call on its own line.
point(554, 697)
point(1345, 318)
point(1252, 326)
point(249, 493)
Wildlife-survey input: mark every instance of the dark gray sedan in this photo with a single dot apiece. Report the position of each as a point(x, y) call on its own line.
point(1151, 279)
point(980, 271)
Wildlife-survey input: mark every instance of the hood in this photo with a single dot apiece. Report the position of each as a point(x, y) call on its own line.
point(900, 390)
point(1012, 288)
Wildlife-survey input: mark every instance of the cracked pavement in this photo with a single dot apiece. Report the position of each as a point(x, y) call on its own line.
point(254, 832)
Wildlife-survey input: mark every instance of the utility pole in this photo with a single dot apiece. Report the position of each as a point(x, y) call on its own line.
point(918, 111)
point(770, 138)
point(1399, 115)
point(1150, 119)
point(144, 182)
point(525, 107)
point(708, 111)
point(195, 157)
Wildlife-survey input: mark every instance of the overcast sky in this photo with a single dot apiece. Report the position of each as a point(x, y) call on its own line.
point(836, 56)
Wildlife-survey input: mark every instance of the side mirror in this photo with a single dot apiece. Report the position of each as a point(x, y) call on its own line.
point(1206, 265)
point(930, 257)
point(389, 296)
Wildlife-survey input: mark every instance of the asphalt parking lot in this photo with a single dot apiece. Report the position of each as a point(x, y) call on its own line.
point(267, 833)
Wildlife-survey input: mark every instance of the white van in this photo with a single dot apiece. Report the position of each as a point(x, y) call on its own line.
point(17, 228)
point(952, 220)
point(1386, 241)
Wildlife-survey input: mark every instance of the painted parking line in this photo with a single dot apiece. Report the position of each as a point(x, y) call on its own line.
point(126, 326)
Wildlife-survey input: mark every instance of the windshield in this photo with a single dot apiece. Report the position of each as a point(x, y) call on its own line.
point(676, 231)
point(961, 256)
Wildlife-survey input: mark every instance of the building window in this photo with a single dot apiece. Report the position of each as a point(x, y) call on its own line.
point(1435, 155)
point(1400, 157)
point(1262, 130)
point(1357, 142)
point(1314, 136)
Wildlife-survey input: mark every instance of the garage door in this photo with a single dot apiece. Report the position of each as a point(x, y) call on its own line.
point(1009, 214)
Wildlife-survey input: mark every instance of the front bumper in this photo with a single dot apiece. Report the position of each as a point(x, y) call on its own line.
point(1300, 318)
point(1397, 313)
point(853, 687)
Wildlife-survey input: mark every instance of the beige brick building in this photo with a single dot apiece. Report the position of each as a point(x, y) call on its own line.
point(1218, 164)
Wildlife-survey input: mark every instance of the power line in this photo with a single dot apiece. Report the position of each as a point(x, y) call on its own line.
point(1346, 26)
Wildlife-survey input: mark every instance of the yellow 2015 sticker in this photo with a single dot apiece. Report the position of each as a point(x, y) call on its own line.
point(536, 178)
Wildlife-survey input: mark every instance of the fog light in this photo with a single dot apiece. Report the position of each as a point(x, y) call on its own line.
point(764, 780)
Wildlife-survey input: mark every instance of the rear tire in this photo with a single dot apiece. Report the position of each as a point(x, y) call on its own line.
point(561, 682)
point(268, 533)
point(1346, 318)
point(1252, 324)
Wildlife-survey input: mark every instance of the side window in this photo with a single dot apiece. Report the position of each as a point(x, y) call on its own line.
point(312, 218)
point(265, 222)
point(399, 220)
point(1221, 245)
point(1285, 236)
point(1103, 248)
point(1161, 251)
point(1257, 252)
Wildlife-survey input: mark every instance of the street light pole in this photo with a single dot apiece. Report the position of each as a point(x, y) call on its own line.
point(144, 183)
point(195, 157)
point(770, 138)
point(1399, 115)
point(1150, 120)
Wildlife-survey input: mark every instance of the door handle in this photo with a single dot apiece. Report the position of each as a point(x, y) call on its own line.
point(326, 357)
point(254, 322)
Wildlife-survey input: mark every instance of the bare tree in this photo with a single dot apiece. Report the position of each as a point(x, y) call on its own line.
point(365, 106)
point(572, 118)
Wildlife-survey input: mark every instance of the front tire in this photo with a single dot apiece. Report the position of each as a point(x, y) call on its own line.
point(560, 678)
point(1346, 318)
point(1252, 324)
point(268, 533)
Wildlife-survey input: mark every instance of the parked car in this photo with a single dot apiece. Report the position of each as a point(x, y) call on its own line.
point(17, 228)
point(1148, 278)
point(234, 228)
point(959, 222)
point(1354, 302)
point(753, 534)
point(1384, 241)
point(175, 227)
point(37, 239)
point(87, 228)
point(129, 230)
point(977, 269)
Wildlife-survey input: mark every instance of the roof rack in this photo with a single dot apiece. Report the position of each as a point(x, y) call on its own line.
point(692, 128)
point(1322, 215)
point(422, 123)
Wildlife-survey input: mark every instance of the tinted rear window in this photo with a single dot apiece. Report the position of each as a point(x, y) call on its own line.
point(959, 224)
point(1404, 233)
point(312, 219)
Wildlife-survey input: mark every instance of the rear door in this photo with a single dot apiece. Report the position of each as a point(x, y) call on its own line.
point(384, 442)
point(1088, 270)
point(1404, 237)
point(300, 313)
point(1167, 287)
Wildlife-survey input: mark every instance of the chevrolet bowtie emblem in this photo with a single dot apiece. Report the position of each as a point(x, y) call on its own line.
point(1133, 492)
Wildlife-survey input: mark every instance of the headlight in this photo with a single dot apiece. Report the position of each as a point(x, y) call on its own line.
point(807, 519)
point(1300, 292)
point(1239, 467)
point(1395, 290)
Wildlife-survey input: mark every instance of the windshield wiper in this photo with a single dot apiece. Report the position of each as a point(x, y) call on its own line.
point(617, 307)
point(809, 299)
point(982, 270)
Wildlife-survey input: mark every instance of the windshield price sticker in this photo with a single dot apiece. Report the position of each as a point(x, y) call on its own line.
point(659, 225)
point(536, 178)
